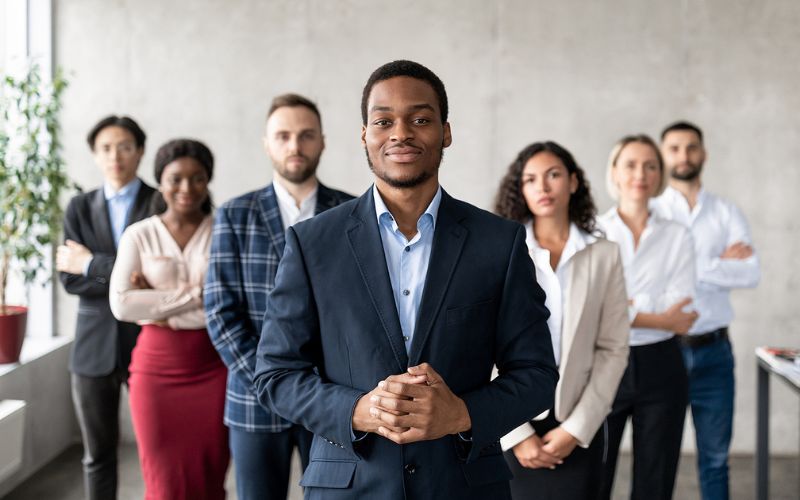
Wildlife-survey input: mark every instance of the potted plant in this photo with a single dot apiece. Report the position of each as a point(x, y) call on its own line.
point(32, 179)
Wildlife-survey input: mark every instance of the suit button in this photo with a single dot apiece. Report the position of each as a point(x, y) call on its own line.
point(410, 468)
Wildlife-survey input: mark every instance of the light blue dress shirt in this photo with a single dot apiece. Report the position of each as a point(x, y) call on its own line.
point(119, 205)
point(406, 260)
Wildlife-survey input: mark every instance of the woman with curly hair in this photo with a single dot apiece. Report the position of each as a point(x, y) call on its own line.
point(559, 454)
point(177, 383)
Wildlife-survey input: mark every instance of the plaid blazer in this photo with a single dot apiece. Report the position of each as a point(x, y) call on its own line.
point(247, 244)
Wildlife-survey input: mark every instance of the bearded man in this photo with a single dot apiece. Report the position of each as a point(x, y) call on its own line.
point(246, 248)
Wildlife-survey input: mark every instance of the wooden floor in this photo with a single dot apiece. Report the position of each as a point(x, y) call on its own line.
point(62, 479)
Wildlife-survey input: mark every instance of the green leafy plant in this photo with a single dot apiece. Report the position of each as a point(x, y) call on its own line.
point(32, 173)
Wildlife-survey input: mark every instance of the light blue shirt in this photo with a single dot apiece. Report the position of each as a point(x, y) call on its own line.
point(119, 205)
point(406, 260)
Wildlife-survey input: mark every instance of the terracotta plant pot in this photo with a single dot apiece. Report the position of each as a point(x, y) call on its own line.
point(13, 320)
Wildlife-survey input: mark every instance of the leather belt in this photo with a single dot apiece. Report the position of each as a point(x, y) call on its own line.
point(703, 339)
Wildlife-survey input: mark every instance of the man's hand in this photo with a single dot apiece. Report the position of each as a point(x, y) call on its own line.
point(72, 257)
point(363, 421)
point(559, 443)
point(737, 251)
point(675, 320)
point(531, 454)
point(427, 411)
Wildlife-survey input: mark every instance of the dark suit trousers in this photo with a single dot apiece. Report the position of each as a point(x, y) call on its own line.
point(578, 478)
point(654, 392)
point(96, 401)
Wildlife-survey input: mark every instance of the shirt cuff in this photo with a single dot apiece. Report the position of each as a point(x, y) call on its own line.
point(86, 267)
point(517, 436)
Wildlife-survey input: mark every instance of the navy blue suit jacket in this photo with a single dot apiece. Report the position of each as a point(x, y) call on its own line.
point(331, 332)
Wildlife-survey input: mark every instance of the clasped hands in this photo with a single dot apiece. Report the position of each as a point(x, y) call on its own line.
point(413, 406)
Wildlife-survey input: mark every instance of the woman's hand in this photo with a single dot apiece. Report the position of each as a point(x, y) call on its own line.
point(675, 320)
point(139, 282)
point(559, 443)
point(531, 454)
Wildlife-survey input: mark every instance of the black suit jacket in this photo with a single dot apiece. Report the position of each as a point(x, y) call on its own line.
point(331, 332)
point(102, 343)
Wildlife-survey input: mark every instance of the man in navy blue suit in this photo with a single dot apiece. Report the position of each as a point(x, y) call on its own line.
point(389, 312)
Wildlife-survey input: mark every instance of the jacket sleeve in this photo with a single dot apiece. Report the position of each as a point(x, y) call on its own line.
point(229, 325)
point(527, 374)
point(290, 348)
point(95, 283)
point(131, 304)
point(609, 361)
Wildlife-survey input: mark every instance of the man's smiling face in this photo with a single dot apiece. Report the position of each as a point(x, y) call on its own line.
point(404, 135)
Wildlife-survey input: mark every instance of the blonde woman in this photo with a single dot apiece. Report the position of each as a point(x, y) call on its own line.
point(560, 455)
point(658, 257)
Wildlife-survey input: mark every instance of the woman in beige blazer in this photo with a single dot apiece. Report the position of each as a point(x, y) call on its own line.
point(560, 453)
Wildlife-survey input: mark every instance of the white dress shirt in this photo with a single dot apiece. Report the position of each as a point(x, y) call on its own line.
point(658, 273)
point(715, 224)
point(290, 213)
point(556, 283)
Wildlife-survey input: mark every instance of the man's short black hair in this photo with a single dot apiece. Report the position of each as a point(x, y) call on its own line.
point(682, 125)
point(125, 122)
point(405, 68)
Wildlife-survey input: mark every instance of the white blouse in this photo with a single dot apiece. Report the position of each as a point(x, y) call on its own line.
point(176, 275)
point(658, 273)
point(556, 283)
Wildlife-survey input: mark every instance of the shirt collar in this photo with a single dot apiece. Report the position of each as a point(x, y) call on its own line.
point(576, 241)
point(126, 191)
point(432, 210)
point(284, 196)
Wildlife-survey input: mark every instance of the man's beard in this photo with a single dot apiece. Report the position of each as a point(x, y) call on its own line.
point(403, 183)
point(299, 175)
point(689, 174)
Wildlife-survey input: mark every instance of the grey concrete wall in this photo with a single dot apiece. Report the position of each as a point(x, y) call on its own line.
point(581, 73)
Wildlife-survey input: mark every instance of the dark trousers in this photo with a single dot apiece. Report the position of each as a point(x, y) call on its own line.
point(576, 479)
point(654, 393)
point(96, 401)
point(262, 461)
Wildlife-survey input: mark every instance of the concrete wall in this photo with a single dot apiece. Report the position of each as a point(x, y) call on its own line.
point(581, 73)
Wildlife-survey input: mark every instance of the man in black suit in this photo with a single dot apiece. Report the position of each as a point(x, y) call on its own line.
point(93, 224)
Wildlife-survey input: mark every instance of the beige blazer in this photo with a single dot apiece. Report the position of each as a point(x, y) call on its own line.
point(594, 344)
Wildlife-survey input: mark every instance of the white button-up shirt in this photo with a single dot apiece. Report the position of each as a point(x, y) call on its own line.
point(658, 273)
point(715, 224)
point(555, 283)
point(291, 214)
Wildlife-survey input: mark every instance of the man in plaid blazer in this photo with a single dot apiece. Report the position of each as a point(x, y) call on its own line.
point(247, 245)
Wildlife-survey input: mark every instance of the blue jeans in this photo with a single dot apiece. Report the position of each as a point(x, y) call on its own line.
point(711, 394)
point(262, 461)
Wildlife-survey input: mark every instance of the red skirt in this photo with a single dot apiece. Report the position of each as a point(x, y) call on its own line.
point(177, 399)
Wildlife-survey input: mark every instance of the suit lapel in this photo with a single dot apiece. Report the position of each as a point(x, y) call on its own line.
point(365, 243)
point(578, 291)
point(141, 205)
point(271, 214)
point(102, 223)
point(448, 241)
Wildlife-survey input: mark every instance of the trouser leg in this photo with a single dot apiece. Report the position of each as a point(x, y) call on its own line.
point(96, 401)
point(711, 395)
